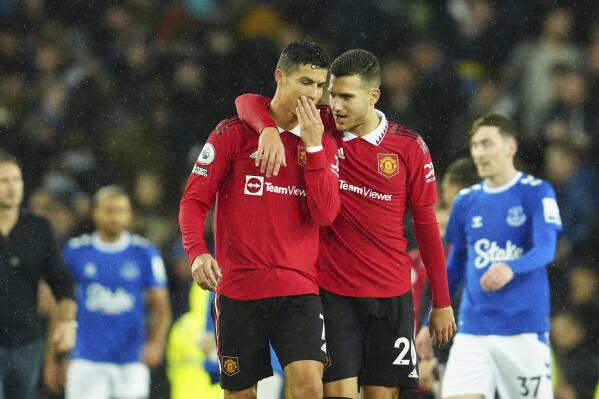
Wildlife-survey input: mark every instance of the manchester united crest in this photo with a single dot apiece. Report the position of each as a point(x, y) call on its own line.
point(388, 164)
point(230, 365)
point(301, 155)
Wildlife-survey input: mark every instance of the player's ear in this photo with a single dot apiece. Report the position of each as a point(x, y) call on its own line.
point(513, 145)
point(375, 95)
point(279, 77)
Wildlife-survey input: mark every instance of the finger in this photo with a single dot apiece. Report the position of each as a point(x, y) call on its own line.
point(444, 339)
point(216, 269)
point(263, 162)
point(270, 165)
point(209, 276)
point(307, 107)
point(315, 111)
point(302, 113)
point(259, 153)
point(277, 165)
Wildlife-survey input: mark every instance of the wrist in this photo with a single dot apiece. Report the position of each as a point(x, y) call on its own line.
point(70, 322)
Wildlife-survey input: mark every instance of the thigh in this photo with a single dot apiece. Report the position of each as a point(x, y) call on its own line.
point(298, 332)
point(523, 366)
point(131, 381)
point(87, 380)
point(24, 370)
point(242, 331)
point(469, 369)
point(343, 336)
point(389, 352)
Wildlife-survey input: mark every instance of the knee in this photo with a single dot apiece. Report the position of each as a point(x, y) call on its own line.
point(307, 388)
point(249, 393)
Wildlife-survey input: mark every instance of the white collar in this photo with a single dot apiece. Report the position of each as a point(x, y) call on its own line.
point(295, 130)
point(376, 136)
point(503, 187)
point(117, 246)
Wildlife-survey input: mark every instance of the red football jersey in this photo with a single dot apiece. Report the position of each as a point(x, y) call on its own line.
point(363, 253)
point(266, 229)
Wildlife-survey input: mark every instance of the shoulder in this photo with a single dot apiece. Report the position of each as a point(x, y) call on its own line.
point(84, 240)
point(229, 125)
point(138, 241)
point(406, 138)
point(468, 194)
point(35, 222)
point(532, 184)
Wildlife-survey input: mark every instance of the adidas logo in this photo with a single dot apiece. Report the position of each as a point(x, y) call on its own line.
point(413, 374)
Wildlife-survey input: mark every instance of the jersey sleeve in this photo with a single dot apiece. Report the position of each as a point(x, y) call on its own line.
point(458, 253)
point(253, 110)
point(56, 274)
point(321, 174)
point(207, 175)
point(422, 188)
point(422, 194)
point(155, 273)
point(546, 224)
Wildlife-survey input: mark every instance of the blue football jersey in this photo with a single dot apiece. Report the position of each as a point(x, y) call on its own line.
point(110, 282)
point(517, 224)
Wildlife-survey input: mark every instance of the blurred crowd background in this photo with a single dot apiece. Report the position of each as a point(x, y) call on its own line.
point(96, 92)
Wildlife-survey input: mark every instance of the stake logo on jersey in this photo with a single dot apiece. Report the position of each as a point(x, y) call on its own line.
point(388, 164)
point(111, 282)
point(103, 300)
point(515, 224)
point(490, 252)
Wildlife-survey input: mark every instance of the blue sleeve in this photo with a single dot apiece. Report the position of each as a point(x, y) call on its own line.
point(155, 272)
point(458, 253)
point(209, 321)
point(546, 224)
point(68, 252)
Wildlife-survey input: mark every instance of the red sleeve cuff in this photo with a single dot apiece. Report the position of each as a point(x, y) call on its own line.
point(196, 250)
point(315, 160)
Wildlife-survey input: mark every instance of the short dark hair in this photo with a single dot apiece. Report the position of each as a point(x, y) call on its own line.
point(506, 126)
point(462, 172)
point(108, 191)
point(358, 62)
point(6, 157)
point(302, 53)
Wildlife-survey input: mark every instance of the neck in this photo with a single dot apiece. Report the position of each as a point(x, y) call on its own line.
point(109, 237)
point(370, 123)
point(501, 178)
point(8, 219)
point(282, 116)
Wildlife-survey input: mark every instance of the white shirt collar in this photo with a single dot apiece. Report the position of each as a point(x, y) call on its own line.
point(503, 187)
point(295, 130)
point(376, 136)
point(117, 246)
